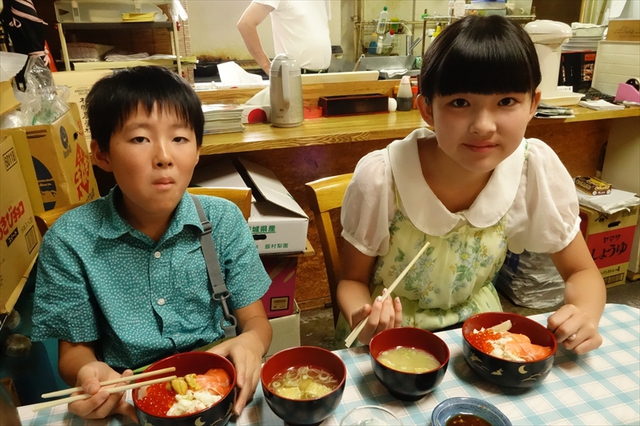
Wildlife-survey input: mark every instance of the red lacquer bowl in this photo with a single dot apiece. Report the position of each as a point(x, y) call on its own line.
point(502, 372)
point(401, 384)
point(308, 411)
point(188, 363)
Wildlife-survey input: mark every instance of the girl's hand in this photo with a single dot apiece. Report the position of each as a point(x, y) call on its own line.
point(382, 315)
point(246, 355)
point(102, 403)
point(574, 329)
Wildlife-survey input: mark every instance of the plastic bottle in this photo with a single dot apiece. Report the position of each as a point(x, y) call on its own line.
point(388, 41)
point(405, 96)
point(437, 32)
point(383, 20)
point(379, 44)
point(459, 8)
point(427, 43)
point(450, 8)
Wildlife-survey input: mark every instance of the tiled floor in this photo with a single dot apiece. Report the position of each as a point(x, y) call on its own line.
point(316, 326)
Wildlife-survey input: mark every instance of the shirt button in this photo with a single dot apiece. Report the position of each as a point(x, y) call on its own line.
point(161, 301)
point(157, 255)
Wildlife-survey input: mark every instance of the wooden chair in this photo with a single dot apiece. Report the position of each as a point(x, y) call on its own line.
point(324, 196)
point(239, 196)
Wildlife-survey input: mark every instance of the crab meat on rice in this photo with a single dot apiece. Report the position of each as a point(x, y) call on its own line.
point(197, 392)
point(192, 402)
point(203, 391)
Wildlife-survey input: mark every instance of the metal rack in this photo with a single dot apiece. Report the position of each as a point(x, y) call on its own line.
point(365, 28)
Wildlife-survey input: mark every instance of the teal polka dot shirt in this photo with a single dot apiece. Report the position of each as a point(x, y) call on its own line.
point(100, 280)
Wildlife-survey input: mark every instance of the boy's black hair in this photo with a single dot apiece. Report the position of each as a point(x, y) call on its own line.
point(114, 98)
point(480, 55)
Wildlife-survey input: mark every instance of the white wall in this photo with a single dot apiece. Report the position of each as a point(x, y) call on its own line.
point(212, 24)
point(407, 10)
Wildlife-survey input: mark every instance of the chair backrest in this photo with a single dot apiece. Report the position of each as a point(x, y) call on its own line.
point(324, 196)
point(239, 196)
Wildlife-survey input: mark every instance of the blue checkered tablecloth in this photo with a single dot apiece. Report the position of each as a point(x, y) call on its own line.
point(600, 388)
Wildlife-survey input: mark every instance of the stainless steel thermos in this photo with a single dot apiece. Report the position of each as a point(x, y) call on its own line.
point(285, 92)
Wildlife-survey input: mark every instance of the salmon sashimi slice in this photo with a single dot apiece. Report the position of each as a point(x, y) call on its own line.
point(507, 345)
point(216, 381)
point(520, 346)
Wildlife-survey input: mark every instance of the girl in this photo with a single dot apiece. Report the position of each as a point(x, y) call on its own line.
point(473, 188)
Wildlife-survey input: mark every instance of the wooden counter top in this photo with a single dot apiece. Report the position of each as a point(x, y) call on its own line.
point(370, 127)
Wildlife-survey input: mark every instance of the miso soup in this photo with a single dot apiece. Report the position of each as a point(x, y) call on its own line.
point(303, 383)
point(409, 360)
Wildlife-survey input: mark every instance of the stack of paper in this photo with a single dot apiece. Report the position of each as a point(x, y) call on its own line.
point(222, 118)
point(612, 203)
point(600, 105)
point(553, 111)
point(138, 17)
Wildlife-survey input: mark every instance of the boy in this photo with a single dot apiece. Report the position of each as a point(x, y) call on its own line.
point(122, 281)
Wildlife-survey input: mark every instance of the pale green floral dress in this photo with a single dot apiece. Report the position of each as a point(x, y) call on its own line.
point(529, 204)
point(450, 282)
point(452, 279)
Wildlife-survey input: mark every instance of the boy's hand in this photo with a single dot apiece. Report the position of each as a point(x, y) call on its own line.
point(246, 355)
point(102, 403)
point(574, 329)
point(382, 315)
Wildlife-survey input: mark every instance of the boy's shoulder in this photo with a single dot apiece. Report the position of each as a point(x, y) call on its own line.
point(210, 201)
point(84, 219)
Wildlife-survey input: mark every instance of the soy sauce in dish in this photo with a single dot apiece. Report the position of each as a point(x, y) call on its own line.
point(467, 420)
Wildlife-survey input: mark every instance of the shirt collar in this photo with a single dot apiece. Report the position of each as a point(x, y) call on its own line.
point(113, 225)
point(427, 212)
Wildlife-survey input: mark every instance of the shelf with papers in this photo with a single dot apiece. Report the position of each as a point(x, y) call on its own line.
point(70, 27)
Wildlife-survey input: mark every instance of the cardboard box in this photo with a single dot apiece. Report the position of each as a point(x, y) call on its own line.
point(616, 62)
point(62, 161)
point(610, 239)
point(19, 236)
point(633, 272)
point(8, 101)
point(23, 152)
point(278, 301)
point(624, 30)
point(79, 84)
point(286, 332)
point(277, 222)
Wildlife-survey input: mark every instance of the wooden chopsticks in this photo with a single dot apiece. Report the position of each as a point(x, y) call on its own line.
point(354, 334)
point(116, 389)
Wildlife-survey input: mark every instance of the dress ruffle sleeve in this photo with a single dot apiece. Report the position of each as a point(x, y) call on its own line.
point(545, 215)
point(369, 205)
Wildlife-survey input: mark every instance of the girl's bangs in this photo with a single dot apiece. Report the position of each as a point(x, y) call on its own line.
point(485, 70)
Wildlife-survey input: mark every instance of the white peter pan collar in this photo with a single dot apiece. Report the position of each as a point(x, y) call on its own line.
point(427, 212)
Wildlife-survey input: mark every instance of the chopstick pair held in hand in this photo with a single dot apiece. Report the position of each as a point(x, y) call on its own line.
point(116, 389)
point(356, 331)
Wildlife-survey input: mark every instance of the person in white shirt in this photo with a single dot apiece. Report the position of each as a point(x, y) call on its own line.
point(473, 188)
point(300, 29)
